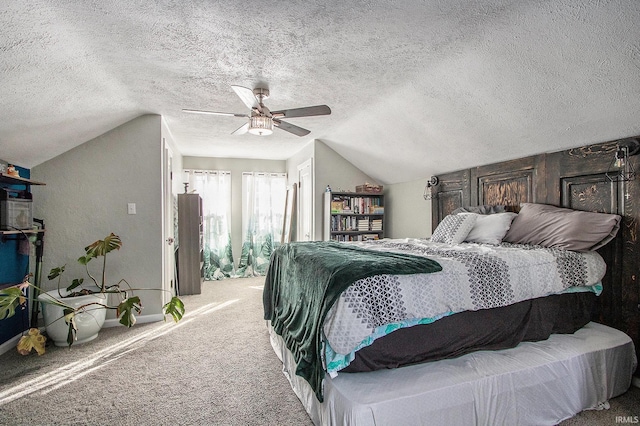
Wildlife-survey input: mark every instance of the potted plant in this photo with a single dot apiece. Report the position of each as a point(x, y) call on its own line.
point(76, 313)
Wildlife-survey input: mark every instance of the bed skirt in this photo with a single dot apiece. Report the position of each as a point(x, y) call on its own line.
point(535, 383)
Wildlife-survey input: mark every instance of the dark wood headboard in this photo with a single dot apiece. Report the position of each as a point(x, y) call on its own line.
point(574, 178)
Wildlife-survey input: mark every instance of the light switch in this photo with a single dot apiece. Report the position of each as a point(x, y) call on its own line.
point(131, 208)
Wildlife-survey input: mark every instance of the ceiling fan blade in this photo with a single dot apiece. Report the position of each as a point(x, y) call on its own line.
point(298, 131)
point(241, 130)
point(246, 95)
point(227, 114)
point(302, 112)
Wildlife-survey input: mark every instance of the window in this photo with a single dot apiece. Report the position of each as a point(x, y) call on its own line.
point(263, 200)
point(215, 189)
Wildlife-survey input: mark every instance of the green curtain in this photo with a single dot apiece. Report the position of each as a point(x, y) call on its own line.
point(263, 200)
point(215, 189)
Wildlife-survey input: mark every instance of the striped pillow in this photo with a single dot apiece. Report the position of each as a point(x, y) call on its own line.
point(454, 228)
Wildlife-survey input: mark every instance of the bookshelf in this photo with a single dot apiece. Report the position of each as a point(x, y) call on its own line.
point(352, 216)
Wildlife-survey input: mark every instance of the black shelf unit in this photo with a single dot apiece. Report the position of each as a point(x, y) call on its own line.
point(353, 216)
point(16, 234)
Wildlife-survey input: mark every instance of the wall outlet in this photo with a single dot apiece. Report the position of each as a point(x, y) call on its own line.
point(131, 208)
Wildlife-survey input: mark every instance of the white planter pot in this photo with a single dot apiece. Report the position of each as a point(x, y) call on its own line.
point(88, 322)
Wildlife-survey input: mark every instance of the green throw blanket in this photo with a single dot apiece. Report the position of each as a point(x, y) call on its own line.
point(306, 278)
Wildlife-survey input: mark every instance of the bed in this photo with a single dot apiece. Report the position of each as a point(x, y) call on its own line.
point(497, 337)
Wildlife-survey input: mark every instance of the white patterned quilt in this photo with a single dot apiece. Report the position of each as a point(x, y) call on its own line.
point(473, 277)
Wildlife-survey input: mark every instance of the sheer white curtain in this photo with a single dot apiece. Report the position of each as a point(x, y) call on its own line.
point(263, 199)
point(214, 187)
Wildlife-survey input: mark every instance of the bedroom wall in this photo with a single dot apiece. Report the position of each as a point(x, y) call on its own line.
point(334, 170)
point(176, 180)
point(329, 168)
point(408, 214)
point(85, 198)
point(236, 166)
point(306, 153)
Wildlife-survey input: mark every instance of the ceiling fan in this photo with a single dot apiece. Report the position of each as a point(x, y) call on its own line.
point(261, 119)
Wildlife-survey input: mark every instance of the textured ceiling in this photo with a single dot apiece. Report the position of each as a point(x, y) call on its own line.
point(416, 87)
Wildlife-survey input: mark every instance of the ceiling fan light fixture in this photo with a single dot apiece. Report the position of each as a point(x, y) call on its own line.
point(261, 119)
point(260, 125)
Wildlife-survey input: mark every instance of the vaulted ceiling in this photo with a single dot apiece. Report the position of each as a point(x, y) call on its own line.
point(415, 87)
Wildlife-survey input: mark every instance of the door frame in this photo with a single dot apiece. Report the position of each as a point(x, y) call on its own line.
point(306, 198)
point(168, 225)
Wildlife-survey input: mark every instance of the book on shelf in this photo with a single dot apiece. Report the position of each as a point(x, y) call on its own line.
point(336, 207)
point(359, 237)
point(356, 204)
point(345, 223)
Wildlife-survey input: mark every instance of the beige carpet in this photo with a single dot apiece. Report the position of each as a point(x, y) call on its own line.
point(216, 367)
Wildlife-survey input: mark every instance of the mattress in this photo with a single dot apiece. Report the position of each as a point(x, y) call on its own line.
point(535, 383)
point(473, 277)
point(469, 331)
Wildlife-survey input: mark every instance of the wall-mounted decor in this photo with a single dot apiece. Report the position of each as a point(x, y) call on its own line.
point(428, 189)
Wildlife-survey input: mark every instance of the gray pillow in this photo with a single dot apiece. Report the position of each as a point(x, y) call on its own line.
point(550, 226)
point(454, 228)
point(490, 228)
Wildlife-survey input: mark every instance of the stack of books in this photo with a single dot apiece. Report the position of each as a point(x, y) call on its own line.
point(376, 225)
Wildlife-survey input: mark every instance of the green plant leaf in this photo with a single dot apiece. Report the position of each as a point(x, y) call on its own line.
point(83, 260)
point(76, 283)
point(10, 299)
point(33, 340)
point(70, 319)
point(56, 272)
point(126, 308)
point(101, 247)
point(175, 308)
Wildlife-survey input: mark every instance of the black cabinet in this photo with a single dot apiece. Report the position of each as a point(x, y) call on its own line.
point(190, 240)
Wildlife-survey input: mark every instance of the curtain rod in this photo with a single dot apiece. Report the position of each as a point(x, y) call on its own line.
point(195, 171)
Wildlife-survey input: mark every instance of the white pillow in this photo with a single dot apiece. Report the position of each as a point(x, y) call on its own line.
point(454, 228)
point(490, 228)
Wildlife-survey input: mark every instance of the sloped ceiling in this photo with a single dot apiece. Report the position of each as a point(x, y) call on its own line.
point(416, 87)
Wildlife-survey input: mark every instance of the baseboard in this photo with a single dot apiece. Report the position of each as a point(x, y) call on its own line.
point(142, 319)
point(635, 381)
point(10, 344)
